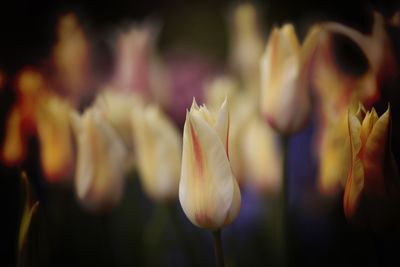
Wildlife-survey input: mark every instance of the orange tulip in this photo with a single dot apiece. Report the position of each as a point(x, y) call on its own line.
point(372, 193)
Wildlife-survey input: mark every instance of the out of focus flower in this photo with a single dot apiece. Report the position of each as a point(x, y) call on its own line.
point(134, 53)
point(284, 96)
point(21, 121)
point(262, 157)
point(14, 147)
point(158, 149)
point(71, 58)
point(334, 156)
point(117, 108)
point(208, 191)
point(55, 138)
point(395, 19)
point(247, 45)
point(372, 190)
point(101, 162)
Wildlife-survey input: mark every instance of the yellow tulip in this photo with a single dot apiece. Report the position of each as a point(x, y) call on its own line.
point(101, 161)
point(14, 146)
point(55, 138)
point(373, 185)
point(158, 149)
point(208, 191)
point(284, 97)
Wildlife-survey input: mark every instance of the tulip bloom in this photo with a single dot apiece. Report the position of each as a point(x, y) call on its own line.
point(101, 161)
point(158, 149)
point(208, 191)
point(284, 96)
point(262, 156)
point(55, 137)
point(373, 186)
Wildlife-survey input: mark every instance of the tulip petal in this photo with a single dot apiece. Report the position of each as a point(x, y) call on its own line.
point(374, 155)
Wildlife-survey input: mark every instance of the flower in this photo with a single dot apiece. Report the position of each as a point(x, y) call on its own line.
point(158, 149)
point(262, 156)
point(208, 191)
point(101, 161)
point(246, 45)
point(372, 191)
point(55, 138)
point(284, 97)
point(71, 59)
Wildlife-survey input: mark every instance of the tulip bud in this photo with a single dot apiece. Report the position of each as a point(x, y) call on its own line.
point(284, 97)
point(55, 137)
point(158, 148)
point(101, 161)
point(372, 190)
point(208, 191)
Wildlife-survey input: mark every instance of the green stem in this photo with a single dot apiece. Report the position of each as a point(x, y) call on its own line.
point(285, 200)
point(219, 254)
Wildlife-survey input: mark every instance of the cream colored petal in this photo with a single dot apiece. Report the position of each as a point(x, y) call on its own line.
point(235, 206)
point(222, 124)
point(207, 186)
point(262, 157)
point(159, 155)
point(101, 163)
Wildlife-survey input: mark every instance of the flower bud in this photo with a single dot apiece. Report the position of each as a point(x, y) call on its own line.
point(208, 191)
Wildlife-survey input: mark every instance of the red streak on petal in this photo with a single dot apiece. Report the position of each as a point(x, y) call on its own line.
point(202, 219)
point(199, 164)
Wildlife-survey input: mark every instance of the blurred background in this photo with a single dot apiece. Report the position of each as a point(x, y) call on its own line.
point(191, 35)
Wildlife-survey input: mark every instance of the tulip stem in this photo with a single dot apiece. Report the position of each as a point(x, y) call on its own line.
point(219, 254)
point(285, 200)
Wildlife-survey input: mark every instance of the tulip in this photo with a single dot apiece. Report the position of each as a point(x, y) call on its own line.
point(14, 147)
point(117, 108)
point(208, 191)
point(284, 96)
point(55, 138)
point(334, 153)
point(372, 191)
point(21, 121)
point(101, 161)
point(262, 157)
point(158, 148)
point(135, 59)
point(246, 45)
point(71, 58)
